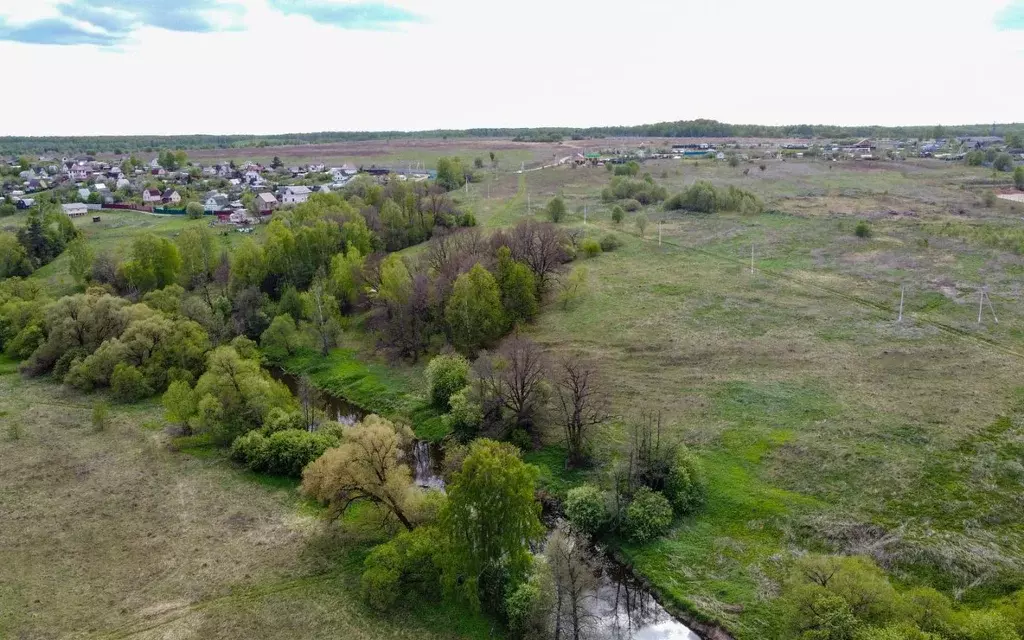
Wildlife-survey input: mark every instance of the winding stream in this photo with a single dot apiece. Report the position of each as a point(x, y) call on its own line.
point(620, 608)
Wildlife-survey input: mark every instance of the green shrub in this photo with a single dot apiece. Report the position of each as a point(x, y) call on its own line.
point(64, 362)
point(527, 605)
point(989, 199)
point(610, 242)
point(382, 576)
point(556, 209)
point(586, 508)
point(630, 168)
point(701, 196)
point(988, 625)
point(643, 191)
point(403, 565)
point(862, 230)
point(100, 416)
point(194, 210)
point(284, 453)
point(1018, 178)
point(824, 616)
point(128, 383)
point(630, 204)
point(521, 439)
point(856, 580)
point(25, 342)
point(617, 214)
point(704, 197)
point(648, 516)
point(591, 247)
point(464, 417)
point(684, 486)
point(281, 419)
point(446, 374)
point(1003, 162)
point(519, 607)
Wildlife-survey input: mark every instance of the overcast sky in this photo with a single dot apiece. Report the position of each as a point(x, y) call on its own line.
point(77, 67)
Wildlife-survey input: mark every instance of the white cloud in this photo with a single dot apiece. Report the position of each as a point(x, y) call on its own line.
point(533, 63)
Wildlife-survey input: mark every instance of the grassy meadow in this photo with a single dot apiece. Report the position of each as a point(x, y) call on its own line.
point(822, 422)
point(112, 534)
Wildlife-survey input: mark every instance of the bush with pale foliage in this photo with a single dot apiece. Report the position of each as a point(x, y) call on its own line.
point(368, 466)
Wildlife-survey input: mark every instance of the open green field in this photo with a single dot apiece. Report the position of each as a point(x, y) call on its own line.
point(396, 153)
point(821, 421)
point(113, 535)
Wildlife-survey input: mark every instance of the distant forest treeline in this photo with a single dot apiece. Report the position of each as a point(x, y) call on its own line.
point(681, 129)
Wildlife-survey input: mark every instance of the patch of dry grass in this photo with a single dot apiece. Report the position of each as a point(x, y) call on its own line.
point(111, 535)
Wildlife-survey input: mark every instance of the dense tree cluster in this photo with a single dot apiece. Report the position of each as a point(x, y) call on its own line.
point(656, 480)
point(474, 541)
point(466, 289)
point(644, 191)
point(44, 236)
point(704, 197)
point(839, 597)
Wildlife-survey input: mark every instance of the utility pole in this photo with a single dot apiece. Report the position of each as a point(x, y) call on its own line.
point(584, 214)
point(659, 233)
point(981, 304)
point(751, 258)
point(900, 319)
point(989, 298)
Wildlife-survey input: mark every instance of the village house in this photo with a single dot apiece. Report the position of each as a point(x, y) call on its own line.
point(26, 203)
point(122, 183)
point(78, 172)
point(215, 202)
point(75, 209)
point(253, 177)
point(170, 196)
point(151, 195)
point(295, 195)
point(83, 194)
point(266, 202)
point(862, 148)
point(342, 173)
